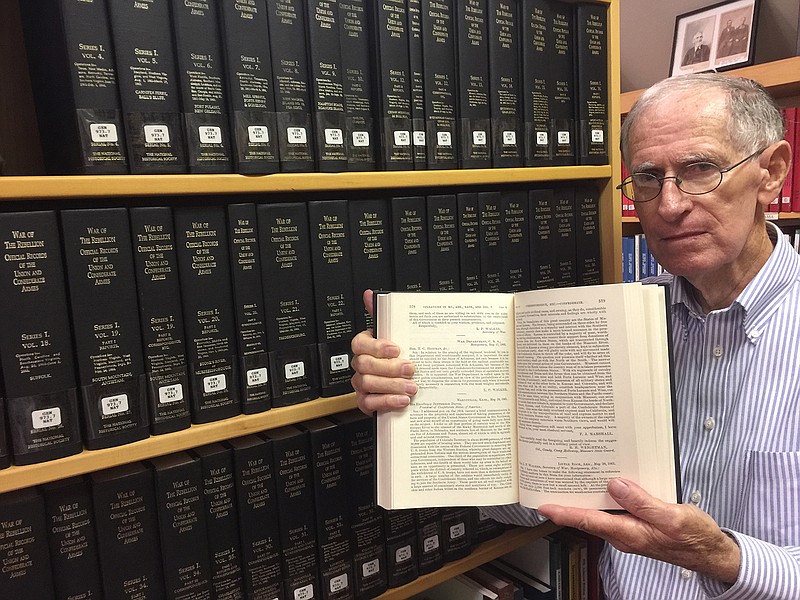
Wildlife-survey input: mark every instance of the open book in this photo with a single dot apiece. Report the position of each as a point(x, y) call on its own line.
point(533, 397)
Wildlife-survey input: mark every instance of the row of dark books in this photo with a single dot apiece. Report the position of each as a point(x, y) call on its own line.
point(288, 513)
point(261, 86)
point(159, 317)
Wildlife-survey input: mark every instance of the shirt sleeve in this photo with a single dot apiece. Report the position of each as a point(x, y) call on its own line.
point(767, 572)
point(513, 514)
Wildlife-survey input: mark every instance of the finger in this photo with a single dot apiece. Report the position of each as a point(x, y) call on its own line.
point(638, 502)
point(381, 402)
point(367, 297)
point(365, 344)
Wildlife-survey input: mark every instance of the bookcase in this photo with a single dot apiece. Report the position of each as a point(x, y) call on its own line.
point(19, 147)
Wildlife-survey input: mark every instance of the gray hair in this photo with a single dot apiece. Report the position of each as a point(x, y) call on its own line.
point(754, 120)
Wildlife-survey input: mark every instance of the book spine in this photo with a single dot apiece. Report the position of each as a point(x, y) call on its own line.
point(204, 99)
point(543, 240)
point(289, 301)
point(490, 222)
point(105, 321)
point(182, 526)
point(442, 217)
point(248, 300)
point(401, 547)
point(161, 317)
point(361, 141)
point(410, 243)
point(38, 369)
point(334, 551)
point(323, 23)
point(419, 146)
point(72, 539)
point(591, 83)
point(472, 61)
point(222, 520)
point(566, 235)
point(258, 526)
point(562, 107)
point(5, 446)
point(75, 86)
point(124, 504)
point(429, 540)
point(392, 77)
point(248, 72)
point(294, 487)
point(537, 80)
point(587, 232)
point(205, 276)
point(287, 39)
point(438, 50)
point(26, 571)
point(370, 227)
point(469, 249)
point(504, 83)
point(148, 85)
point(515, 241)
point(456, 533)
point(484, 528)
point(333, 292)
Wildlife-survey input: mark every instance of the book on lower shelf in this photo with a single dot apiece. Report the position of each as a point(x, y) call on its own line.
point(508, 412)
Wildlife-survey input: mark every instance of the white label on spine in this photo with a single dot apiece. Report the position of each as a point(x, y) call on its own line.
point(597, 136)
point(370, 568)
point(156, 134)
point(403, 554)
point(210, 134)
point(430, 543)
point(340, 362)
point(334, 137)
point(170, 393)
point(339, 583)
point(419, 138)
point(304, 593)
point(296, 135)
point(360, 139)
point(294, 370)
point(214, 383)
point(541, 138)
point(479, 138)
point(402, 138)
point(563, 137)
point(103, 132)
point(457, 531)
point(443, 138)
point(510, 138)
point(113, 405)
point(258, 134)
point(46, 417)
point(256, 377)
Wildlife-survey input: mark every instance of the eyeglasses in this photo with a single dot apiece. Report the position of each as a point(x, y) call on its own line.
point(695, 179)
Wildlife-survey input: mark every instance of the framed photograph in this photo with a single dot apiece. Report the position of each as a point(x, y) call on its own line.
point(715, 38)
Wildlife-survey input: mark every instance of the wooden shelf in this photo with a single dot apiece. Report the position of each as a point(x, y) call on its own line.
point(511, 539)
point(16, 477)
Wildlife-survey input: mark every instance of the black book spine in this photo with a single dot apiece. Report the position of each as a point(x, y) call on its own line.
point(294, 493)
point(75, 86)
point(562, 107)
point(334, 550)
point(72, 539)
point(456, 533)
point(366, 517)
point(591, 83)
point(333, 292)
point(438, 51)
point(161, 317)
point(504, 83)
point(248, 70)
point(392, 77)
point(258, 524)
point(287, 38)
point(416, 70)
point(289, 301)
point(105, 322)
point(566, 236)
point(222, 520)
point(537, 79)
point(182, 526)
point(587, 234)
point(410, 243)
point(205, 275)
point(469, 236)
point(26, 572)
point(429, 540)
point(362, 142)
point(370, 227)
point(148, 85)
point(248, 300)
point(128, 543)
point(515, 241)
point(484, 528)
point(401, 546)
point(327, 84)
point(443, 259)
point(204, 101)
point(490, 221)
point(543, 240)
point(37, 359)
point(5, 446)
point(472, 61)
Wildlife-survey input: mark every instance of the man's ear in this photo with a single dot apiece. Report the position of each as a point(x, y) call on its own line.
point(775, 164)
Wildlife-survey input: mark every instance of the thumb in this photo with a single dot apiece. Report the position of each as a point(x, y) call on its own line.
point(367, 297)
point(634, 499)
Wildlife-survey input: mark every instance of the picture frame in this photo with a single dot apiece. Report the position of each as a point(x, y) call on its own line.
point(715, 38)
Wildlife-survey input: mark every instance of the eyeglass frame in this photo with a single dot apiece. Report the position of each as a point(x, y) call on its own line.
point(678, 180)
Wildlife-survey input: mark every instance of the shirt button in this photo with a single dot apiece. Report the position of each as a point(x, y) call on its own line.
point(686, 573)
point(709, 423)
point(717, 351)
point(696, 497)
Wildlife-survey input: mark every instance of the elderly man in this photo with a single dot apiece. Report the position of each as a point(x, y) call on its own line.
point(707, 155)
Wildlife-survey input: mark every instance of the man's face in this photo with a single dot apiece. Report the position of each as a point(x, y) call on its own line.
point(690, 235)
point(698, 39)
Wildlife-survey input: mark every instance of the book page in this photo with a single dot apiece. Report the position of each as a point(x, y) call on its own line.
point(454, 445)
point(583, 376)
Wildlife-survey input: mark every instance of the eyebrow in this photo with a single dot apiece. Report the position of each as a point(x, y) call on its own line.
point(686, 160)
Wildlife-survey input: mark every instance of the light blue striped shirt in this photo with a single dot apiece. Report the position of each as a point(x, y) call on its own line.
point(737, 375)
